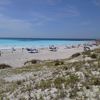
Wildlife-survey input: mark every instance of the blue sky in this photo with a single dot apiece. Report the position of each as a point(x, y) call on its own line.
point(50, 18)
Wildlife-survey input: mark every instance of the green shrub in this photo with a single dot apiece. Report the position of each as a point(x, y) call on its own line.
point(97, 50)
point(76, 55)
point(19, 82)
point(61, 95)
point(41, 97)
point(73, 93)
point(65, 67)
point(1, 97)
point(44, 84)
point(94, 56)
point(87, 53)
point(71, 80)
point(57, 62)
point(3, 66)
point(58, 82)
point(34, 61)
point(22, 98)
point(96, 81)
point(87, 87)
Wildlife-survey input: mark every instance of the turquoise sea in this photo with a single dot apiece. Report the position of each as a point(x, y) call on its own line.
point(33, 42)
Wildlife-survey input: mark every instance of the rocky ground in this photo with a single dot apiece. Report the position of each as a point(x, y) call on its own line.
point(75, 78)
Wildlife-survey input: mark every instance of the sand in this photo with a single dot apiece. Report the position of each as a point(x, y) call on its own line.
point(18, 58)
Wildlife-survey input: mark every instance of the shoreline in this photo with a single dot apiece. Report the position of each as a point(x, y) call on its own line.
point(19, 57)
point(18, 44)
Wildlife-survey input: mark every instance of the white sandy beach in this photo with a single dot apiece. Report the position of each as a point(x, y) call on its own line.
point(18, 58)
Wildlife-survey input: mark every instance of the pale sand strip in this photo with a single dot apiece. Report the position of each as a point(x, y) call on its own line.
point(18, 58)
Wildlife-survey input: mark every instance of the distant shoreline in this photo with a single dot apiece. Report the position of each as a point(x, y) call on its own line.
point(38, 43)
point(77, 39)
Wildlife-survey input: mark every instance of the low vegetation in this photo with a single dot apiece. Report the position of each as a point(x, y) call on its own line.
point(76, 55)
point(97, 50)
point(53, 80)
point(3, 66)
point(94, 56)
point(44, 84)
point(58, 82)
point(34, 61)
point(58, 62)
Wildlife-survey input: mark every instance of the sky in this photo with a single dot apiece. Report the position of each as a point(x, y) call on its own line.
point(50, 18)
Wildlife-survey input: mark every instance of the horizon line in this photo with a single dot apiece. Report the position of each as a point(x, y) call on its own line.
point(50, 38)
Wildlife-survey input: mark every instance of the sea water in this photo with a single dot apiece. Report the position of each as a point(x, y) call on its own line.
point(7, 43)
